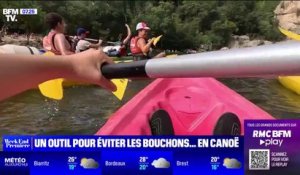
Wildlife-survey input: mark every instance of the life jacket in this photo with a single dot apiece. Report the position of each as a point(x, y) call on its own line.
point(135, 50)
point(123, 51)
point(48, 43)
point(124, 48)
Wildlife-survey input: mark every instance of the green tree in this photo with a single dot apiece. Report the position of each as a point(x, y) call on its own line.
point(184, 24)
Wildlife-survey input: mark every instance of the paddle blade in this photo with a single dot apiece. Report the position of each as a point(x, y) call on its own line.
point(156, 40)
point(289, 34)
point(52, 89)
point(121, 87)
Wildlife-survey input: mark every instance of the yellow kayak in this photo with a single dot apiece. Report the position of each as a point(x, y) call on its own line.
point(69, 83)
point(291, 82)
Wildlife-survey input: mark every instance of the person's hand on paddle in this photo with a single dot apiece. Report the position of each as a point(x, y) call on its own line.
point(87, 68)
point(28, 71)
point(150, 41)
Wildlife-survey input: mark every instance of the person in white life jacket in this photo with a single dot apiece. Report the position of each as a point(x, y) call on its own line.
point(80, 44)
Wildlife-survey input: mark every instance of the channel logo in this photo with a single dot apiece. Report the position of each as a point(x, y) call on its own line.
point(271, 142)
point(15, 162)
point(271, 137)
point(16, 143)
point(272, 133)
point(11, 14)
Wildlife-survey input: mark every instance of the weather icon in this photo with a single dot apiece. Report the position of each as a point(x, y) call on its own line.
point(89, 163)
point(231, 163)
point(161, 163)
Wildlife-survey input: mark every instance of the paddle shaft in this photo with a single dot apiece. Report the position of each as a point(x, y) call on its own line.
point(90, 39)
point(87, 39)
point(268, 60)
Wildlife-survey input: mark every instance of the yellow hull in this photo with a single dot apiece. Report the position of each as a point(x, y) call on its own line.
point(68, 83)
point(291, 82)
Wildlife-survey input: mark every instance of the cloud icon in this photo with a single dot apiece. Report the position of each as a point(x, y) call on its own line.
point(161, 163)
point(231, 163)
point(89, 163)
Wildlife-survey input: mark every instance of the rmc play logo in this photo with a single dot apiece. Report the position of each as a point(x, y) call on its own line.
point(271, 137)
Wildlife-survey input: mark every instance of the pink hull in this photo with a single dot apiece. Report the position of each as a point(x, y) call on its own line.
point(194, 105)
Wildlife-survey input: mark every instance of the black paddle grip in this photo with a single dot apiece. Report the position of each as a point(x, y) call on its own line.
point(134, 69)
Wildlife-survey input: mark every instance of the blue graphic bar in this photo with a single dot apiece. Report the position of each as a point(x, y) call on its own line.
point(122, 155)
point(96, 143)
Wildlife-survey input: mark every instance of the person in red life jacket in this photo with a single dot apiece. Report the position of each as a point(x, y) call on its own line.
point(56, 41)
point(124, 42)
point(80, 44)
point(119, 47)
point(139, 48)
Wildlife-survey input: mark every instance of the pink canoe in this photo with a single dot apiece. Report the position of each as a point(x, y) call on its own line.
point(183, 106)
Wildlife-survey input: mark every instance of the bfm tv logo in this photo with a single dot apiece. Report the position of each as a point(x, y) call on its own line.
point(15, 162)
point(11, 14)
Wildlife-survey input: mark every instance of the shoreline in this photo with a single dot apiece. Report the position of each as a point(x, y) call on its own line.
point(34, 41)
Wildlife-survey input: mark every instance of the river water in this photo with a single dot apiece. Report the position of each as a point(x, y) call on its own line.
point(85, 109)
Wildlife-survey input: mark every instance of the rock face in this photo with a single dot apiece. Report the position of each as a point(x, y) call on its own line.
point(287, 14)
point(244, 41)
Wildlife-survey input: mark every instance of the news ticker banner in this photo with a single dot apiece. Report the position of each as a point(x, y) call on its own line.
point(96, 143)
point(122, 155)
point(269, 147)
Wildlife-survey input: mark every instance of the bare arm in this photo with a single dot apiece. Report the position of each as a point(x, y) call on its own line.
point(19, 72)
point(125, 41)
point(145, 47)
point(60, 42)
point(86, 44)
point(96, 46)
